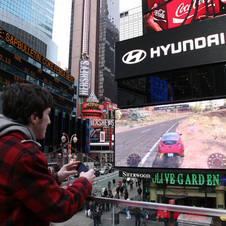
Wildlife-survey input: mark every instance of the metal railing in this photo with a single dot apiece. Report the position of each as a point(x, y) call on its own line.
point(160, 206)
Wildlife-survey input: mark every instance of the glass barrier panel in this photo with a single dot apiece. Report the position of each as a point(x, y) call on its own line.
point(111, 211)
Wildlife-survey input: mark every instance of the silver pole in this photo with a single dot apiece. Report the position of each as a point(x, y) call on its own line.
point(113, 217)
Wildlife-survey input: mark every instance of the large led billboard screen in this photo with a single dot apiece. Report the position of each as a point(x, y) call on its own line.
point(182, 136)
point(160, 15)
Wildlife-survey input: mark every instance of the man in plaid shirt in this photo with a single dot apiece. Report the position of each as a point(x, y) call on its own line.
point(29, 194)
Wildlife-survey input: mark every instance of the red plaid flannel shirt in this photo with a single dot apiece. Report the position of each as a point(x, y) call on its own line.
point(28, 193)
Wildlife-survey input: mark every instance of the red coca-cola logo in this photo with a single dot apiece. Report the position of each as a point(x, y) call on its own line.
point(183, 8)
point(178, 10)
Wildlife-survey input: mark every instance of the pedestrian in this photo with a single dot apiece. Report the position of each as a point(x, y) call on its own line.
point(91, 208)
point(95, 217)
point(29, 192)
point(126, 194)
point(114, 182)
point(137, 212)
point(139, 192)
point(118, 189)
point(128, 209)
point(124, 187)
point(124, 180)
point(105, 193)
point(110, 195)
point(136, 182)
point(107, 206)
point(144, 216)
point(128, 180)
point(109, 184)
point(107, 203)
point(99, 213)
point(121, 190)
point(117, 195)
point(131, 184)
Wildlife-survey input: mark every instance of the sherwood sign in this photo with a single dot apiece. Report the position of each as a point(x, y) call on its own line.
point(198, 43)
point(178, 179)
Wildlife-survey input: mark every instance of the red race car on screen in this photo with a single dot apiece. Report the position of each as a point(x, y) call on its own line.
point(171, 144)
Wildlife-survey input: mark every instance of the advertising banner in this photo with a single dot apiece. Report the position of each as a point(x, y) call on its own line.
point(165, 14)
point(195, 44)
point(169, 136)
point(84, 78)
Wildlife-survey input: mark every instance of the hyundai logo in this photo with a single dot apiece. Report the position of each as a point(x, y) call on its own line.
point(134, 56)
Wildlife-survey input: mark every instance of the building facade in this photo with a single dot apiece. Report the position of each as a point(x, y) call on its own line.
point(32, 23)
point(109, 34)
point(131, 23)
point(20, 63)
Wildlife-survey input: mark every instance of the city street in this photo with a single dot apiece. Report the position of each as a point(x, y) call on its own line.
point(80, 219)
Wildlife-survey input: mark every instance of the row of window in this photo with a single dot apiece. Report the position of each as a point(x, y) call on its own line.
point(25, 57)
point(25, 12)
point(23, 75)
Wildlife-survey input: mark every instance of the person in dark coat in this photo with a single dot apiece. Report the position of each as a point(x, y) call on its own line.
point(95, 217)
point(99, 213)
point(121, 190)
point(126, 194)
point(144, 215)
point(137, 212)
point(139, 192)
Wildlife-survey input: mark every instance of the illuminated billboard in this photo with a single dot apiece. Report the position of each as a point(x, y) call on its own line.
point(185, 136)
point(160, 15)
point(195, 44)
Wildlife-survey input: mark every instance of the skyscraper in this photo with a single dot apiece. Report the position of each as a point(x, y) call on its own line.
point(31, 22)
point(94, 30)
point(109, 34)
point(84, 37)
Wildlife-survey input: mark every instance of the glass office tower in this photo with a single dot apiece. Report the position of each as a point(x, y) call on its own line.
point(31, 21)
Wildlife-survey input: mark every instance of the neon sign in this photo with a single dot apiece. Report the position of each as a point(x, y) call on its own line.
point(178, 179)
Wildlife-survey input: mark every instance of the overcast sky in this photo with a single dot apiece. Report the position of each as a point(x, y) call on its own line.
point(128, 4)
point(61, 25)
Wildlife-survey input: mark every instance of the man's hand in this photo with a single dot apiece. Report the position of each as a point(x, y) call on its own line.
point(89, 175)
point(150, 23)
point(67, 170)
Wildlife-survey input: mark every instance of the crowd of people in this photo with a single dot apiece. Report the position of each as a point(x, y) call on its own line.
point(121, 190)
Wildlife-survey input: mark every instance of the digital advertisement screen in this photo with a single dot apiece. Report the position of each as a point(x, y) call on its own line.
point(190, 135)
point(160, 15)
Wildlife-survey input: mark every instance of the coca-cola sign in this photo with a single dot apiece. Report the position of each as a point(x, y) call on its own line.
point(178, 10)
point(164, 14)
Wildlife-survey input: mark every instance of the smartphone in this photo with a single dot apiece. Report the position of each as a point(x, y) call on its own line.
point(81, 168)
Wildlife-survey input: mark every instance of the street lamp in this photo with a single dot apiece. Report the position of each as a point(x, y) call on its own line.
point(65, 138)
point(74, 139)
